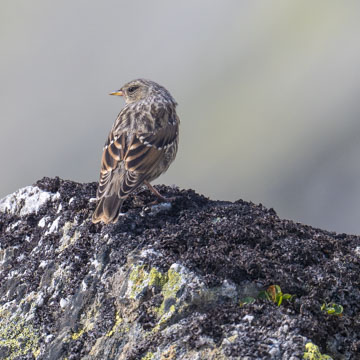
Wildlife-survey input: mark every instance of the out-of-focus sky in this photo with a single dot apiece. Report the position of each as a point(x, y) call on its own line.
point(268, 95)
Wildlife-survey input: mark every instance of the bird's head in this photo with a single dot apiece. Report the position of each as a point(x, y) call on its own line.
point(140, 89)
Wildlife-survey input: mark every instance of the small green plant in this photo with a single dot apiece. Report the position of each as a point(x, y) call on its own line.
point(247, 300)
point(332, 309)
point(312, 352)
point(273, 293)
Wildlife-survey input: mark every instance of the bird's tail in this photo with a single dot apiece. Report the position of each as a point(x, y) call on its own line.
point(107, 209)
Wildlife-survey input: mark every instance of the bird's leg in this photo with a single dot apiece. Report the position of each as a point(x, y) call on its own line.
point(157, 194)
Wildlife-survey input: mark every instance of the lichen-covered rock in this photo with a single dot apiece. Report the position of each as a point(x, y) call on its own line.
point(180, 281)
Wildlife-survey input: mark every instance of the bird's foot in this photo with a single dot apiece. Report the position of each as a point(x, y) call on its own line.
point(160, 198)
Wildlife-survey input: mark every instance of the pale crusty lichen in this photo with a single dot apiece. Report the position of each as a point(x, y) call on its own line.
point(312, 352)
point(66, 239)
point(17, 336)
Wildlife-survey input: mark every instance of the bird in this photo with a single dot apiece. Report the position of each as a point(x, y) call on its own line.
point(141, 145)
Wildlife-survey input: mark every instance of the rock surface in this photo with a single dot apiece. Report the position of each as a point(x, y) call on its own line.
point(169, 281)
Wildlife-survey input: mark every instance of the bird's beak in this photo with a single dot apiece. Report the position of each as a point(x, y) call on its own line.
point(117, 92)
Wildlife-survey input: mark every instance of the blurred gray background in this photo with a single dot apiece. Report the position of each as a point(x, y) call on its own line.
point(268, 95)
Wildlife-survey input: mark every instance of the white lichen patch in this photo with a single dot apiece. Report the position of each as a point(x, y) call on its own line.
point(39, 301)
point(59, 208)
point(42, 222)
point(96, 264)
point(83, 286)
point(25, 201)
point(248, 318)
point(43, 263)
point(54, 226)
point(13, 226)
point(357, 250)
point(21, 257)
point(64, 302)
point(149, 253)
point(228, 289)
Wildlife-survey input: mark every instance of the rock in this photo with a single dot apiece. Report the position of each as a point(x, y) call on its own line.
point(180, 281)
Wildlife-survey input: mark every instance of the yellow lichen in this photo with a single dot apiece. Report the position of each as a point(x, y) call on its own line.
point(118, 321)
point(17, 337)
point(78, 334)
point(36, 353)
point(232, 338)
point(169, 291)
point(168, 283)
point(148, 356)
point(172, 285)
point(88, 324)
point(312, 352)
point(156, 278)
point(137, 277)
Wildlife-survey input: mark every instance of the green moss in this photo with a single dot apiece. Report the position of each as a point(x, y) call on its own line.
point(312, 352)
point(17, 337)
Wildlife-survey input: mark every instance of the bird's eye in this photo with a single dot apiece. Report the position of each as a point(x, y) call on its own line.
point(132, 89)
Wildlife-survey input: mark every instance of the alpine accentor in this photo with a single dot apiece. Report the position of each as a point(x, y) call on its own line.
point(141, 146)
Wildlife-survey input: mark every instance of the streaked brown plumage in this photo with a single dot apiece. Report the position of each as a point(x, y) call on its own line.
point(140, 147)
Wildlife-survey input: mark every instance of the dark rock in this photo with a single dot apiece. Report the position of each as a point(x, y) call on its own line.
point(166, 281)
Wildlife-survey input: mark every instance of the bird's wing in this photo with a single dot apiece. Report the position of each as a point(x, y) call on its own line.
point(129, 157)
